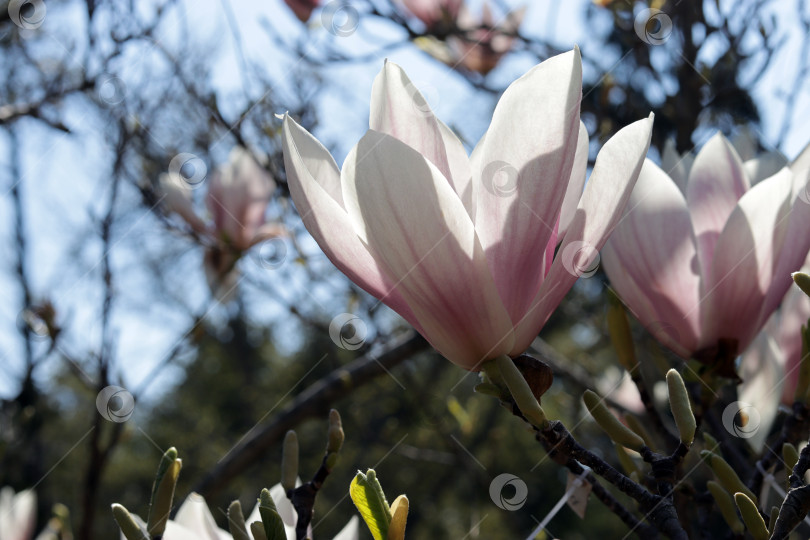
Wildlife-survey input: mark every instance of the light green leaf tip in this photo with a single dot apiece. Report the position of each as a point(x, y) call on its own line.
point(367, 495)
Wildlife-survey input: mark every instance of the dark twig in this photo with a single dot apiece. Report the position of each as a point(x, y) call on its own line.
point(796, 505)
point(312, 401)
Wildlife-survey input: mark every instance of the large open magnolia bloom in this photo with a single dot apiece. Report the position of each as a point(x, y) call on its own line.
point(463, 247)
point(704, 266)
point(18, 513)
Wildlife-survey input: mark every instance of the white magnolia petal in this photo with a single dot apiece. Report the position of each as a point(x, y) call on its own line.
point(400, 110)
point(764, 166)
point(744, 262)
point(762, 374)
point(602, 204)
point(326, 219)
point(675, 165)
point(577, 181)
point(521, 171)
point(716, 182)
point(651, 261)
point(414, 222)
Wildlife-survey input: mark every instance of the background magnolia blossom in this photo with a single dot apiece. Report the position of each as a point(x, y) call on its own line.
point(18, 513)
point(437, 237)
point(691, 245)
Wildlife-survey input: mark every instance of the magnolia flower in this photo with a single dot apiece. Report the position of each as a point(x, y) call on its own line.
point(463, 247)
point(237, 198)
point(703, 254)
point(485, 41)
point(302, 8)
point(18, 513)
point(195, 522)
point(434, 13)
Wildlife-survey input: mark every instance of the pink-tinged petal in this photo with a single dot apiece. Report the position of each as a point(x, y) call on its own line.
point(177, 198)
point(237, 198)
point(576, 182)
point(744, 262)
point(614, 174)
point(399, 109)
point(651, 261)
point(459, 163)
point(790, 255)
point(313, 178)
point(411, 218)
point(675, 165)
point(764, 166)
point(520, 174)
point(763, 377)
point(785, 326)
point(716, 182)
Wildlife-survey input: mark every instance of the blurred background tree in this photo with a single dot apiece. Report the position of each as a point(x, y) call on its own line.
point(103, 285)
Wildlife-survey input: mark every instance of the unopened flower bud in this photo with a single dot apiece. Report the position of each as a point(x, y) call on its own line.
point(751, 516)
point(609, 423)
point(727, 507)
point(289, 461)
point(681, 409)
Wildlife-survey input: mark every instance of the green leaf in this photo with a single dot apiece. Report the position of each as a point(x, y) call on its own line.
point(367, 495)
point(273, 525)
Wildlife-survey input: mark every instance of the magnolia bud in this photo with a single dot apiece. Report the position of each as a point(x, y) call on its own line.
point(681, 409)
point(336, 434)
point(236, 522)
point(163, 493)
point(803, 281)
point(726, 505)
point(521, 392)
point(619, 329)
point(289, 461)
point(129, 527)
point(610, 424)
point(751, 516)
point(271, 520)
point(773, 518)
point(727, 477)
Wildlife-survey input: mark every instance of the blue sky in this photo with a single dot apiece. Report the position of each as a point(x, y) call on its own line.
point(62, 181)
